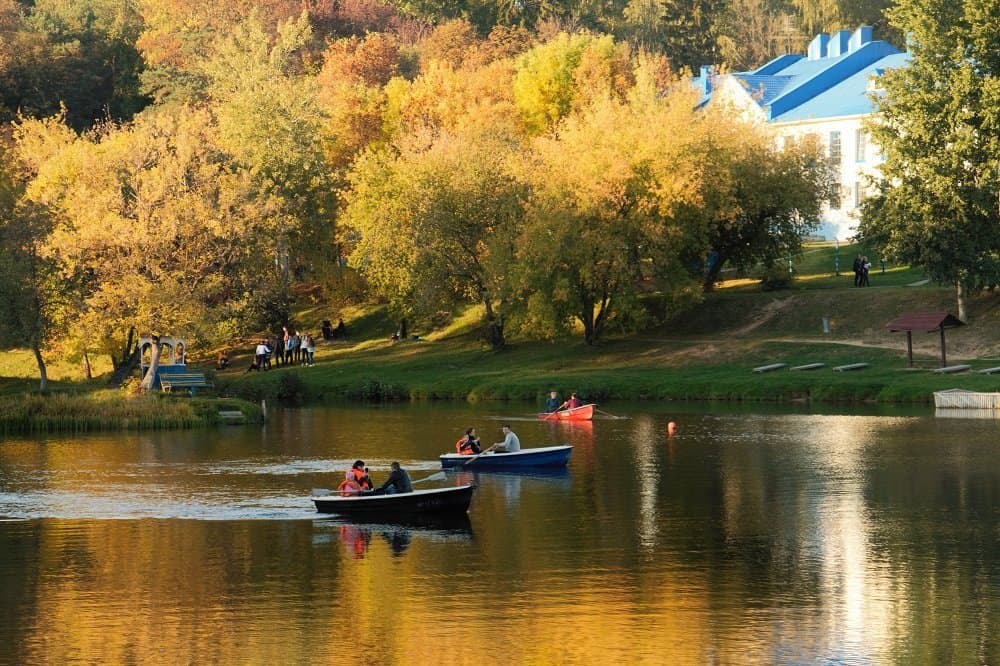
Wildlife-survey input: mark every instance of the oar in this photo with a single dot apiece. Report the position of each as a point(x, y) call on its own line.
point(611, 415)
point(439, 476)
point(478, 454)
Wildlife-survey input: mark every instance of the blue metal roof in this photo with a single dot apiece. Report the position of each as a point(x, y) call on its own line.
point(793, 87)
point(849, 97)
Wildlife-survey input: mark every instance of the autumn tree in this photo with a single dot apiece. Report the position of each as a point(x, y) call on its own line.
point(567, 72)
point(612, 191)
point(435, 223)
point(938, 124)
point(152, 223)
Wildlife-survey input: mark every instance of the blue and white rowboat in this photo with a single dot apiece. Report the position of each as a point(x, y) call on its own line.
point(547, 456)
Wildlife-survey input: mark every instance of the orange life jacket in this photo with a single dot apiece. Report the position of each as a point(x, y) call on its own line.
point(349, 487)
point(464, 447)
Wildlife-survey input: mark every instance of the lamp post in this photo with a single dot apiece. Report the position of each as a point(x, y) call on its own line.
point(836, 258)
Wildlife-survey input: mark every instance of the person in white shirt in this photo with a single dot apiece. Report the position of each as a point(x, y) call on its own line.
point(510, 442)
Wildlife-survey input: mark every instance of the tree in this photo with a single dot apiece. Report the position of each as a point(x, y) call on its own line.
point(938, 124)
point(435, 224)
point(759, 200)
point(270, 121)
point(154, 227)
point(566, 73)
point(611, 194)
point(29, 289)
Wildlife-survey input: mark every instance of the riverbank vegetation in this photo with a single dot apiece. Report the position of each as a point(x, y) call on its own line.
point(96, 410)
point(534, 190)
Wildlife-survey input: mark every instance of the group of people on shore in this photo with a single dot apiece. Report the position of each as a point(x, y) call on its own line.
point(862, 267)
point(291, 348)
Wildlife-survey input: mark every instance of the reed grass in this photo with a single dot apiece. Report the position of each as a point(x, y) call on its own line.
point(33, 413)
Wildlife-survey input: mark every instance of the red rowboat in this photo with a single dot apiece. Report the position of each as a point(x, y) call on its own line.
point(581, 413)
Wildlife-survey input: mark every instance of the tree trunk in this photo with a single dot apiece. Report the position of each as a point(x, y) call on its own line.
point(86, 366)
point(154, 364)
point(960, 295)
point(494, 328)
point(43, 377)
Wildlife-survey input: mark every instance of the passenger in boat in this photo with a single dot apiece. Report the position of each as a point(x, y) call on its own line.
point(510, 443)
point(553, 403)
point(357, 480)
point(468, 444)
point(398, 482)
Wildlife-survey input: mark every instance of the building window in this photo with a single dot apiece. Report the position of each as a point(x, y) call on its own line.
point(861, 145)
point(836, 153)
point(860, 193)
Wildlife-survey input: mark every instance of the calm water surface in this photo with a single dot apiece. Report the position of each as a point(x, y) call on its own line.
point(750, 538)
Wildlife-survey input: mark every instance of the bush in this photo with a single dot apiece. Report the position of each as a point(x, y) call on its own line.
point(776, 277)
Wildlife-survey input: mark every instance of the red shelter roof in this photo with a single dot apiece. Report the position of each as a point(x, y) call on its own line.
point(924, 321)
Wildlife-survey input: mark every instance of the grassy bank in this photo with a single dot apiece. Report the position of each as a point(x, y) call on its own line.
point(112, 410)
point(707, 353)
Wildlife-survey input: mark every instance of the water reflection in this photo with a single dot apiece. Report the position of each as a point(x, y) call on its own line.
point(747, 538)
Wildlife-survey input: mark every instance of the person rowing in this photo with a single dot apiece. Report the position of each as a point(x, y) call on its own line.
point(510, 443)
point(553, 403)
point(398, 482)
point(572, 403)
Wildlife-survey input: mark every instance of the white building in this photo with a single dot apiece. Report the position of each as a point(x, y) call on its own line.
point(825, 93)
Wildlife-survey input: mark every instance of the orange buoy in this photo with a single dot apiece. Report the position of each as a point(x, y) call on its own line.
point(671, 428)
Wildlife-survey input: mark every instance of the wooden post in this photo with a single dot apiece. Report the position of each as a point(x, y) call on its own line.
point(944, 361)
point(909, 348)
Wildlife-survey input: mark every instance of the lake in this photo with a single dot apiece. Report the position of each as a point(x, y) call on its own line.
point(756, 535)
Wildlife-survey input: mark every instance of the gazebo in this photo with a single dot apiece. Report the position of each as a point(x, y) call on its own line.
point(927, 322)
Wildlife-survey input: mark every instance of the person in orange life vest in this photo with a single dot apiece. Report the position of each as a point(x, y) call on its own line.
point(572, 403)
point(356, 480)
point(468, 445)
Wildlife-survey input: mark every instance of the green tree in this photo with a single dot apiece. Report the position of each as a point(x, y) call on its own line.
point(30, 291)
point(78, 55)
point(759, 200)
point(938, 124)
point(435, 224)
point(271, 123)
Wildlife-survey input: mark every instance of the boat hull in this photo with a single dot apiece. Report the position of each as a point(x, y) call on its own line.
point(549, 456)
point(581, 413)
point(419, 503)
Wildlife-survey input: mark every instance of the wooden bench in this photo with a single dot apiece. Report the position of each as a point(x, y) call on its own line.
point(850, 366)
point(233, 416)
point(190, 381)
point(769, 368)
point(809, 366)
point(949, 369)
point(989, 371)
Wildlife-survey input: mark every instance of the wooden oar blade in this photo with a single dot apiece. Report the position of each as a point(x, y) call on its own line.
point(439, 476)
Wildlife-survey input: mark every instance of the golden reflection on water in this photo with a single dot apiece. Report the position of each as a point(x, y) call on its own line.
point(756, 540)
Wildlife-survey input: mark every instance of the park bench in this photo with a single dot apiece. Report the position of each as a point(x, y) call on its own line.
point(850, 366)
point(989, 371)
point(233, 416)
point(769, 368)
point(809, 366)
point(190, 381)
point(949, 369)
